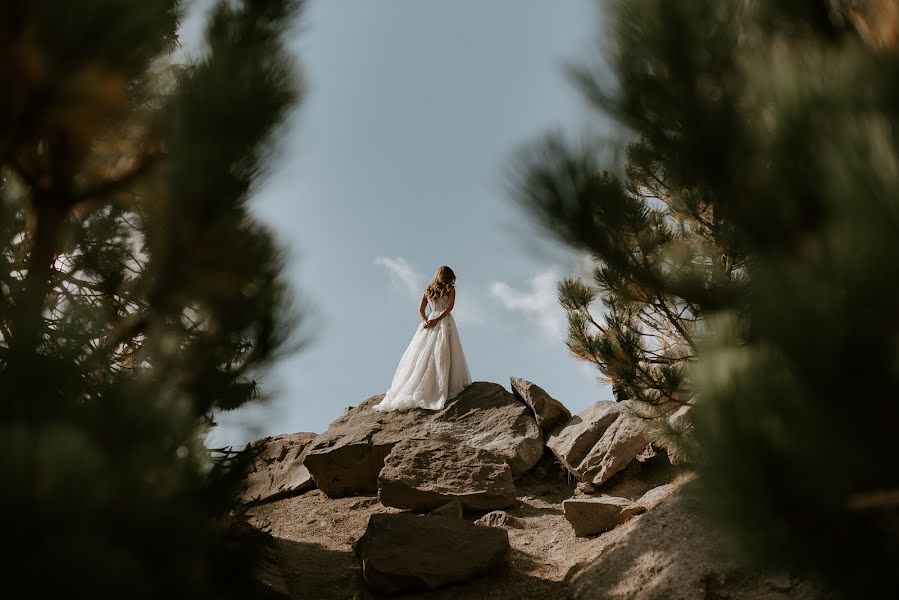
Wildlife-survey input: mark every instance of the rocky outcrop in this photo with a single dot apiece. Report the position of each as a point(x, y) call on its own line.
point(669, 553)
point(348, 457)
point(598, 442)
point(421, 475)
point(589, 516)
point(625, 438)
point(404, 552)
point(571, 443)
point(279, 471)
point(548, 411)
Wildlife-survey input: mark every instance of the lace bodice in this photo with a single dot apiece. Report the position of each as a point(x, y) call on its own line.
point(438, 304)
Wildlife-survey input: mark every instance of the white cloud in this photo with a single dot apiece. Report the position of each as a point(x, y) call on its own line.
point(402, 274)
point(539, 304)
point(467, 310)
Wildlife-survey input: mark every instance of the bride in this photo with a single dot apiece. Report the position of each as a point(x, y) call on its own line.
point(432, 370)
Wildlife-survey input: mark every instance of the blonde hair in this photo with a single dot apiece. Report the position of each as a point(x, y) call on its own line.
point(443, 280)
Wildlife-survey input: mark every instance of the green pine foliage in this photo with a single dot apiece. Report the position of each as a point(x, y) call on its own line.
point(138, 295)
point(761, 195)
point(663, 260)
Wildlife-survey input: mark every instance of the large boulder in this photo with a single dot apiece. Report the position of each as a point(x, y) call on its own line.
point(348, 457)
point(589, 516)
point(279, 471)
point(405, 552)
point(424, 474)
point(548, 411)
point(599, 441)
point(625, 438)
point(571, 443)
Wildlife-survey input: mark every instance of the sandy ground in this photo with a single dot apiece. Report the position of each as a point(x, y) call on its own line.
point(315, 536)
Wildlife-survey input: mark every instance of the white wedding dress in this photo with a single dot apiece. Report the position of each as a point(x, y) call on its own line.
point(432, 370)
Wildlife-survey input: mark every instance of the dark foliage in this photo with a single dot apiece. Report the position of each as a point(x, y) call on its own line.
point(138, 295)
point(772, 128)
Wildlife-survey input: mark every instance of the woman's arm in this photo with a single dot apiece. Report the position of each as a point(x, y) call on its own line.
point(449, 306)
point(421, 308)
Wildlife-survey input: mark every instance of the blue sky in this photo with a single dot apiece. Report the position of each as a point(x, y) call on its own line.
point(395, 164)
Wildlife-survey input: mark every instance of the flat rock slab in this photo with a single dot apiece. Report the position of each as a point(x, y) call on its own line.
point(599, 441)
point(422, 475)
point(405, 553)
point(347, 458)
point(548, 411)
point(589, 516)
point(653, 497)
point(279, 471)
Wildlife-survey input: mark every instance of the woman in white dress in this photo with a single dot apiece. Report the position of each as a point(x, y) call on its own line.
point(433, 369)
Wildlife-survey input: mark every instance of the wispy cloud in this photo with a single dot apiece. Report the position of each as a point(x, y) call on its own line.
point(539, 303)
point(403, 274)
point(468, 308)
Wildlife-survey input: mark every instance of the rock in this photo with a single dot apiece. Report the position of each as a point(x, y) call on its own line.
point(279, 471)
point(681, 419)
point(347, 458)
point(669, 553)
point(486, 416)
point(653, 497)
point(576, 438)
point(423, 474)
point(625, 438)
point(406, 552)
point(453, 508)
point(589, 516)
point(584, 488)
point(499, 518)
point(599, 441)
point(548, 411)
point(681, 423)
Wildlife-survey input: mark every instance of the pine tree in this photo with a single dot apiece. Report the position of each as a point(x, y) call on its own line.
point(138, 294)
point(663, 258)
point(781, 117)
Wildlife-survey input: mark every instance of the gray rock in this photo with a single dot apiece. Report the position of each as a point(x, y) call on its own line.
point(406, 552)
point(424, 474)
point(584, 488)
point(653, 497)
point(453, 508)
point(347, 458)
point(599, 441)
point(621, 443)
point(589, 516)
point(548, 411)
point(571, 443)
point(279, 471)
point(499, 518)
